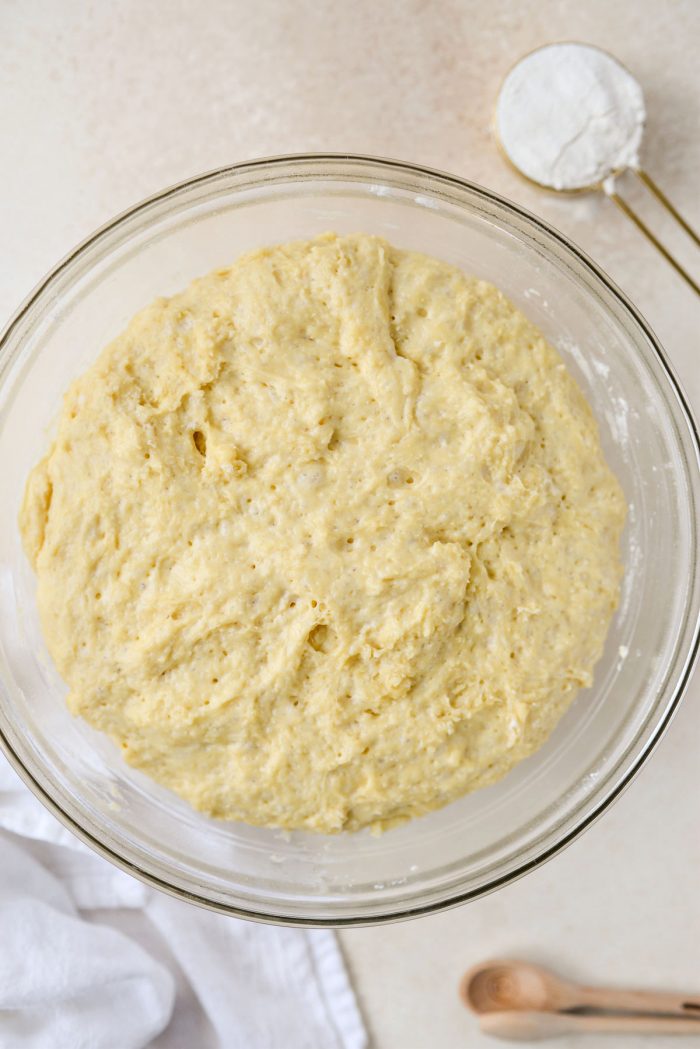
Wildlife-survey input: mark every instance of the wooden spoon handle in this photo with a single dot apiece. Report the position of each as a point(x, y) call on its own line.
point(613, 1000)
point(514, 1026)
point(639, 1024)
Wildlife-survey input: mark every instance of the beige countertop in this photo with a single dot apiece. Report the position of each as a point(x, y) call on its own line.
point(104, 103)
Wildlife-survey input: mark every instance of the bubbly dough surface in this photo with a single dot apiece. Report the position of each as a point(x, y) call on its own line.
point(328, 539)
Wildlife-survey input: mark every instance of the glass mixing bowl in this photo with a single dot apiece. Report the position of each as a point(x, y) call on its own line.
point(488, 838)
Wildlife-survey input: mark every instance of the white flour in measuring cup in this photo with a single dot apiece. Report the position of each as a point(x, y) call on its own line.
point(569, 116)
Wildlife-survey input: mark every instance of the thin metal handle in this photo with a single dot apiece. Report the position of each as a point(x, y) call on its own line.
point(643, 228)
point(663, 199)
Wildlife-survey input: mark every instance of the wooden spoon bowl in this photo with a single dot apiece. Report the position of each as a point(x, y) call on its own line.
point(507, 984)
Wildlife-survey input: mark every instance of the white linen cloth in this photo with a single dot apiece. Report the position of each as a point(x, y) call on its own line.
point(67, 982)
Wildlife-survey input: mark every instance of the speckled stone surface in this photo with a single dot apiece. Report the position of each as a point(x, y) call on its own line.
point(103, 103)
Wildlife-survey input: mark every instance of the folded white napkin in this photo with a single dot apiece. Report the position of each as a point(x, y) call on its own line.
point(67, 982)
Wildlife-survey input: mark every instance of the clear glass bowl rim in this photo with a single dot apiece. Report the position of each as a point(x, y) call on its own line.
point(355, 166)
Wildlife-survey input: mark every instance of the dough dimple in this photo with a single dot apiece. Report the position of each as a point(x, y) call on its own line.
point(327, 539)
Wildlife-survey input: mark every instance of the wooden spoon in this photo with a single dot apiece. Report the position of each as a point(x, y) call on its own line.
point(531, 1027)
point(504, 985)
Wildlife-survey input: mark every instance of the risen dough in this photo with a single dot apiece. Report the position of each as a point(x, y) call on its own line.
point(326, 540)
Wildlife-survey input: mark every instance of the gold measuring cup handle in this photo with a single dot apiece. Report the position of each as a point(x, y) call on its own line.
point(663, 199)
point(643, 228)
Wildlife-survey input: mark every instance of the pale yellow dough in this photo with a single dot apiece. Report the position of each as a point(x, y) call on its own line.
point(328, 539)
